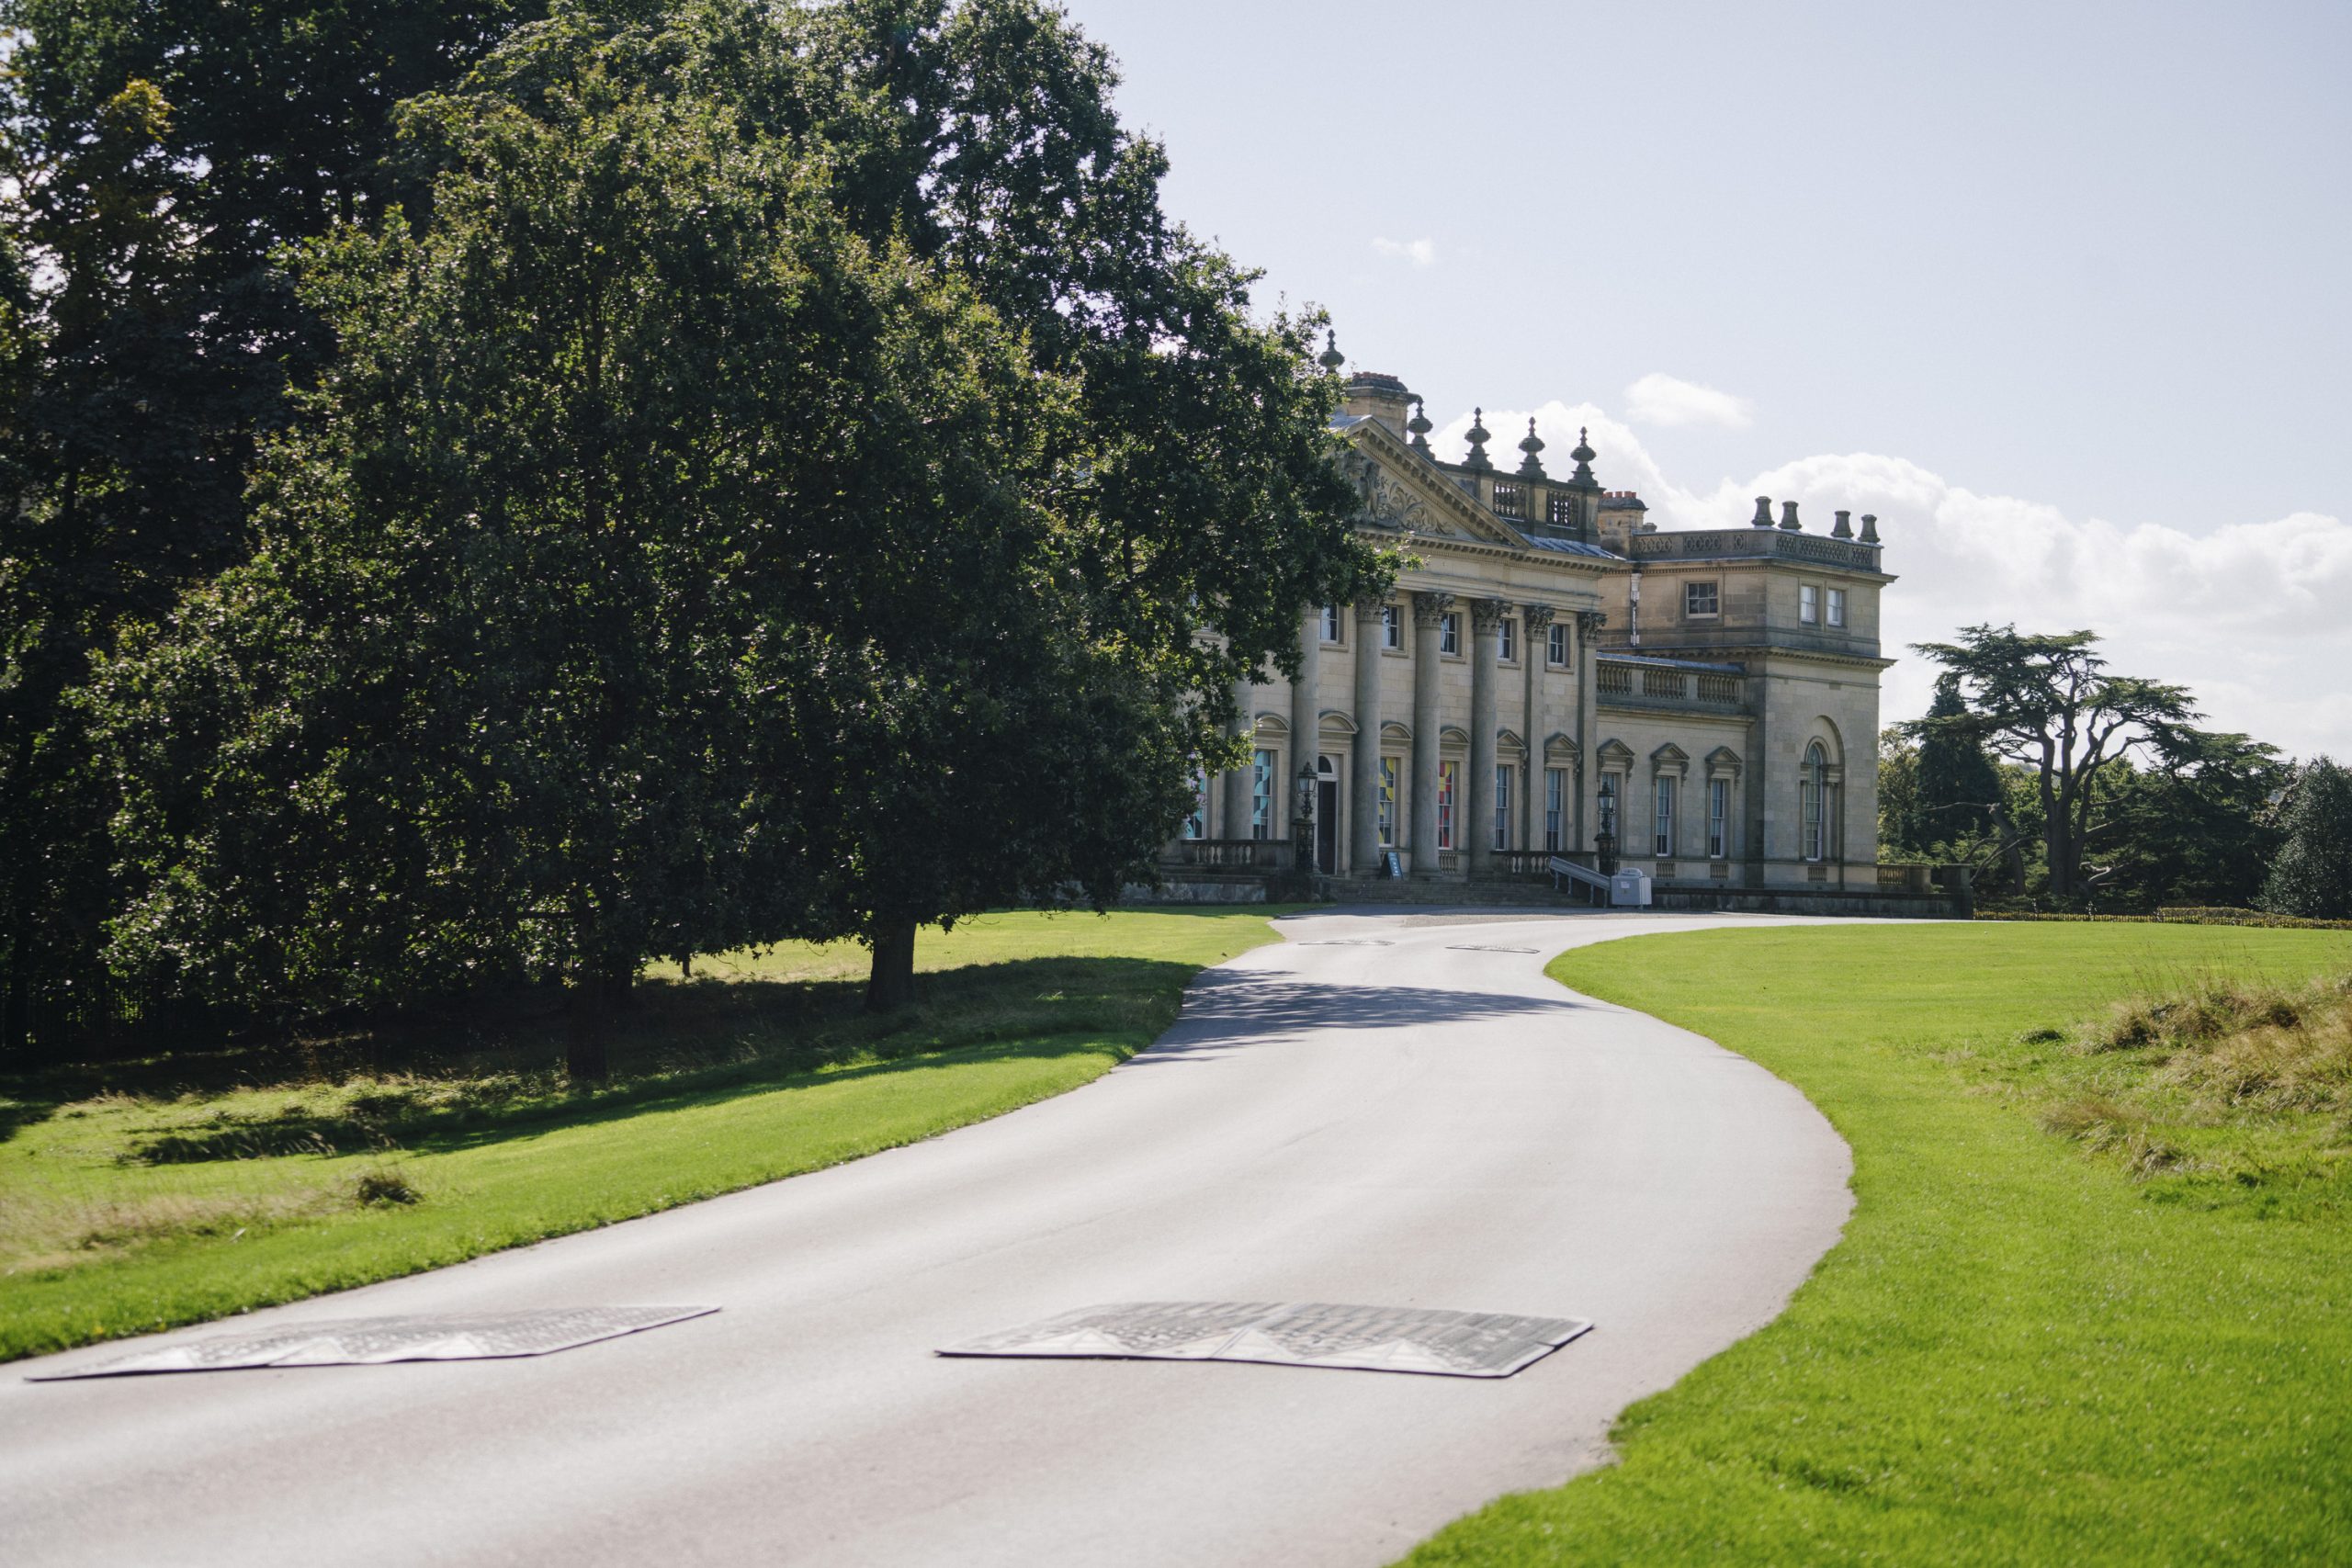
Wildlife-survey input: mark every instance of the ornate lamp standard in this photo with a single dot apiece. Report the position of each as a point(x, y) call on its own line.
point(1302, 820)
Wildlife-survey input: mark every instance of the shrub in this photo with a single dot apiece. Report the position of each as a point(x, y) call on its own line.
point(384, 1185)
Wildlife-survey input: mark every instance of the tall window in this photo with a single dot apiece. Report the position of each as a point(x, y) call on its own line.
point(1662, 834)
point(1331, 623)
point(1197, 820)
point(1389, 802)
point(1808, 603)
point(1719, 818)
point(1445, 771)
point(1816, 809)
point(1609, 804)
point(1261, 797)
point(1836, 606)
point(1507, 641)
point(1700, 600)
point(1556, 654)
point(1556, 799)
point(1449, 633)
point(1392, 625)
point(1502, 805)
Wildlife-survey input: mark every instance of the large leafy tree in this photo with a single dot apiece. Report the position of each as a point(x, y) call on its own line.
point(1959, 790)
point(2047, 700)
point(153, 154)
point(1195, 509)
point(509, 686)
point(2191, 823)
point(2313, 873)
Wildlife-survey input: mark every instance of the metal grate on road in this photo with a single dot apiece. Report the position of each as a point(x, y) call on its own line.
point(1309, 1334)
point(366, 1341)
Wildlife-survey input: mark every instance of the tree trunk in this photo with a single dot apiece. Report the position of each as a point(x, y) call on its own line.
point(891, 983)
point(601, 994)
point(16, 1007)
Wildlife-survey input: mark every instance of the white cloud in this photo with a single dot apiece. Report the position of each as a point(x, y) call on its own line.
point(1660, 399)
point(1420, 253)
point(2250, 616)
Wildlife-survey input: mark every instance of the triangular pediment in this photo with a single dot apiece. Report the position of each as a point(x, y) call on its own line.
point(1403, 490)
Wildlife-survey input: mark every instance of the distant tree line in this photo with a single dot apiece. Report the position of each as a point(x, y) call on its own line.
point(504, 491)
point(2065, 785)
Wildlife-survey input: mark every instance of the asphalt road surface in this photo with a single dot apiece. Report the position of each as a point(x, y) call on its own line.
point(1418, 1125)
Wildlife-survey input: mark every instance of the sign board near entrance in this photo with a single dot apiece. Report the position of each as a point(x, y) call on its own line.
point(1390, 865)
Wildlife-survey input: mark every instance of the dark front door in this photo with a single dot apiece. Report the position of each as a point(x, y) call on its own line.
point(1327, 824)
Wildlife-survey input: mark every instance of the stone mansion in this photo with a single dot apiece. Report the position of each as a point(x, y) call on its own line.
point(1557, 668)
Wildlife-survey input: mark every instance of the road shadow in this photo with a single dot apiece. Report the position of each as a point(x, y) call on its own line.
point(1227, 1007)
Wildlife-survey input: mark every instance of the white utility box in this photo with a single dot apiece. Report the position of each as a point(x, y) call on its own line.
point(1630, 889)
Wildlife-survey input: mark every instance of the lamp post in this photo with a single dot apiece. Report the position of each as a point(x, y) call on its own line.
point(1302, 818)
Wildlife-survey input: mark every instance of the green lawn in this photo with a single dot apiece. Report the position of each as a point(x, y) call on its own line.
point(2038, 1341)
point(146, 1194)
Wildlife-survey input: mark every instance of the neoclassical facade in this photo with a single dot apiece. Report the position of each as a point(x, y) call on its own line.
point(1556, 668)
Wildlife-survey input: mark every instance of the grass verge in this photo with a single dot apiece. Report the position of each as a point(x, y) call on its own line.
point(141, 1195)
point(2032, 1345)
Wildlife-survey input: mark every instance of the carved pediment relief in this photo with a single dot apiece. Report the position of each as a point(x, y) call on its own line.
point(1385, 500)
point(1405, 493)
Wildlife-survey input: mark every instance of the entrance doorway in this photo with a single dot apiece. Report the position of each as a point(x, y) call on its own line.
point(1327, 815)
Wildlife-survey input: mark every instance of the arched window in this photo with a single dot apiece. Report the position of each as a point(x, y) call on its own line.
point(1816, 802)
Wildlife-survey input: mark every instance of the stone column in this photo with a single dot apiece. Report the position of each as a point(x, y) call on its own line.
point(1364, 762)
point(1236, 782)
point(1535, 629)
point(1485, 632)
point(1428, 613)
point(1585, 653)
point(1756, 841)
point(1306, 720)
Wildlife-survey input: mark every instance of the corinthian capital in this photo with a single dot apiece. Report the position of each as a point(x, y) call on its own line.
point(1430, 609)
point(1537, 616)
point(1368, 611)
point(1486, 614)
point(1590, 622)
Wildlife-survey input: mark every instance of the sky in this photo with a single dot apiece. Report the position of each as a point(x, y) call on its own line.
point(2062, 292)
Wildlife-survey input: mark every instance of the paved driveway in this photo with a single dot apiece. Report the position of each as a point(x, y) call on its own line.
point(1427, 1123)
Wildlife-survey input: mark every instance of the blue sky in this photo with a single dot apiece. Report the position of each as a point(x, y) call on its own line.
point(2059, 291)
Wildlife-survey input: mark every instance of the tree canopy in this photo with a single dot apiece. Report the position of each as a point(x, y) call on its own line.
point(684, 547)
point(153, 154)
point(2048, 702)
point(2313, 874)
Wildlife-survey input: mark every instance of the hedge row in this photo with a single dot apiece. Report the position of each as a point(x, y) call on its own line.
point(2187, 916)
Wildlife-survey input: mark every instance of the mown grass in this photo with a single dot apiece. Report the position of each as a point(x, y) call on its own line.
point(2034, 1344)
point(139, 1195)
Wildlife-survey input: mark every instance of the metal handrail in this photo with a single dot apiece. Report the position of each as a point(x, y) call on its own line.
point(1561, 867)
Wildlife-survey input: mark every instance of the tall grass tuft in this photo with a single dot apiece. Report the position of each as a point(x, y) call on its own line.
point(2243, 1046)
